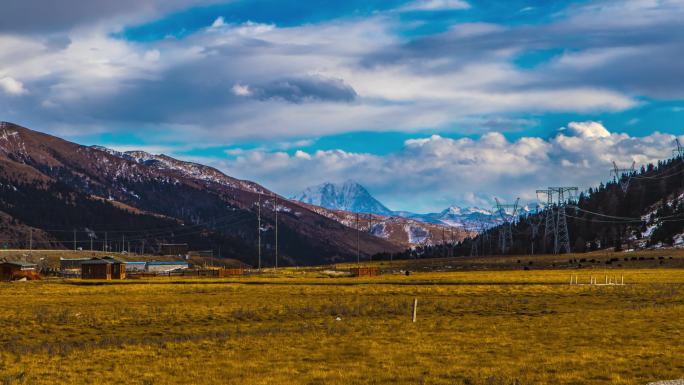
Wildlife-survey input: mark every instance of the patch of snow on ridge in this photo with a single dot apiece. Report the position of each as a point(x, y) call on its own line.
point(416, 234)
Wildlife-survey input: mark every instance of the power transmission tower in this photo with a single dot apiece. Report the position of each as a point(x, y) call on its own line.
point(678, 151)
point(535, 220)
point(548, 216)
point(559, 197)
point(623, 175)
point(508, 214)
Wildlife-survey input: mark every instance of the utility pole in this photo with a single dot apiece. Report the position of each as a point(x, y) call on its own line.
point(104, 247)
point(30, 239)
point(123, 242)
point(91, 242)
point(473, 244)
point(358, 235)
point(275, 207)
point(259, 231)
point(74, 239)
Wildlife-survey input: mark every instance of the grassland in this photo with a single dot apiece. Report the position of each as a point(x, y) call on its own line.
point(486, 327)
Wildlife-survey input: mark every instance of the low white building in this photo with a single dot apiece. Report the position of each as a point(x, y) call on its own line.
point(165, 266)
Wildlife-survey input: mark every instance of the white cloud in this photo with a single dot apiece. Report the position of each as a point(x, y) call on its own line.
point(241, 90)
point(11, 86)
point(219, 22)
point(589, 129)
point(436, 5)
point(429, 173)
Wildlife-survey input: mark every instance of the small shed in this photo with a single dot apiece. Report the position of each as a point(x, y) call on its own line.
point(10, 270)
point(103, 268)
point(365, 271)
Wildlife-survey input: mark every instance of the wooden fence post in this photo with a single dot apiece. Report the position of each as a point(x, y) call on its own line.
point(415, 308)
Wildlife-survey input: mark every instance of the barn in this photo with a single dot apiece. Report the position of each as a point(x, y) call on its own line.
point(103, 268)
point(14, 270)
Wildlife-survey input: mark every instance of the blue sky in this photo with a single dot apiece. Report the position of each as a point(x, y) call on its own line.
point(426, 102)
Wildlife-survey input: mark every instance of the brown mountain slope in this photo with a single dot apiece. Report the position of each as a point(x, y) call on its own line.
point(403, 231)
point(178, 201)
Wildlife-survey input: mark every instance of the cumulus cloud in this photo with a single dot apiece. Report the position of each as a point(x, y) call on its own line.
point(589, 129)
point(432, 172)
point(11, 86)
point(234, 81)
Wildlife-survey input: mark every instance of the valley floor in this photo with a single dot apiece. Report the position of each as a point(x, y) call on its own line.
point(482, 327)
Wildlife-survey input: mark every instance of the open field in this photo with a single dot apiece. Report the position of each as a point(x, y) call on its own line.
point(506, 327)
point(673, 258)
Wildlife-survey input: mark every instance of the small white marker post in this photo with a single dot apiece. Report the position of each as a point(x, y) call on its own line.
point(623, 280)
point(415, 308)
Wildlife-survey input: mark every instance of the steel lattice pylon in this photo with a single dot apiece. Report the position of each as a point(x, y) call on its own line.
point(508, 214)
point(556, 220)
point(535, 219)
point(623, 175)
point(678, 151)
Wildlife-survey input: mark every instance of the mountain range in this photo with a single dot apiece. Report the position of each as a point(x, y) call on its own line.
point(352, 197)
point(55, 193)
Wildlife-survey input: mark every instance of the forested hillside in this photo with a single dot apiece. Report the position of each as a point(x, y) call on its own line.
point(643, 209)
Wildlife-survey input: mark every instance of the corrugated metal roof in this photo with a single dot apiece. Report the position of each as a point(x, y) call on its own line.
point(100, 261)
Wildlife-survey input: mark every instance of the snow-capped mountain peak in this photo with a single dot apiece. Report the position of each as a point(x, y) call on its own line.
point(348, 196)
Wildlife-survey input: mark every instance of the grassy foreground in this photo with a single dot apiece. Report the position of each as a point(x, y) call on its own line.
point(508, 327)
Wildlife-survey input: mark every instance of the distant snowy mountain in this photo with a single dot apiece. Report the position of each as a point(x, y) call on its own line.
point(353, 197)
point(348, 196)
point(454, 216)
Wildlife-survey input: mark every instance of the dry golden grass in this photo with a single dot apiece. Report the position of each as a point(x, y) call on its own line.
point(508, 327)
